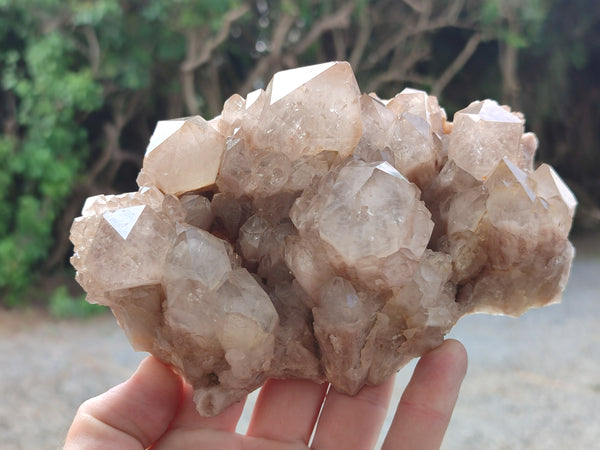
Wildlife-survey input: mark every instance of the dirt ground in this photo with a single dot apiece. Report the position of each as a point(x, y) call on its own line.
point(532, 383)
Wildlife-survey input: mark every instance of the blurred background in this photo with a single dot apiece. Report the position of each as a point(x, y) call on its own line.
point(82, 84)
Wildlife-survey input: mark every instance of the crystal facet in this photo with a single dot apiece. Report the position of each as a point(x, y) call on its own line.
point(312, 232)
point(482, 134)
point(175, 166)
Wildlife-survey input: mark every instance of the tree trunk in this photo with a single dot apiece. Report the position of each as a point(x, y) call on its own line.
point(508, 60)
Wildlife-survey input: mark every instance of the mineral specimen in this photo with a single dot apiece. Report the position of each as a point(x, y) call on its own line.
point(313, 232)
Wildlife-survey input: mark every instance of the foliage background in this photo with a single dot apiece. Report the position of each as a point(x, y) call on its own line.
point(83, 83)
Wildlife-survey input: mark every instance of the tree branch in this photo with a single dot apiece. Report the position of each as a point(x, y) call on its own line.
point(508, 59)
point(339, 19)
point(456, 65)
point(112, 133)
point(401, 72)
point(203, 54)
point(412, 26)
point(10, 123)
point(211, 87)
point(452, 13)
point(93, 48)
point(339, 43)
point(271, 61)
point(415, 5)
point(274, 59)
point(362, 40)
point(111, 157)
point(197, 54)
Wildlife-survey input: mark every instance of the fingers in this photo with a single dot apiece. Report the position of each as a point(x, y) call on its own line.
point(427, 403)
point(273, 426)
point(286, 410)
point(134, 413)
point(218, 440)
point(188, 417)
point(353, 422)
point(139, 411)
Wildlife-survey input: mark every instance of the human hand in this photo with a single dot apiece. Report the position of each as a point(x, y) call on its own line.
point(154, 408)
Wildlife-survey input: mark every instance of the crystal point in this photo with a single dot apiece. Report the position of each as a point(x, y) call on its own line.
point(123, 220)
point(285, 82)
point(482, 134)
point(174, 166)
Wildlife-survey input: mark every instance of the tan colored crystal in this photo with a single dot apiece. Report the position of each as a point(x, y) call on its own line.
point(401, 135)
point(175, 166)
point(368, 215)
point(198, 211)
point(482, 134)
point(310, 110)
point(111, 241)
point(342, 322)
point(556, 196)
point(419, 104)
point(312, 232)
point(509, 237)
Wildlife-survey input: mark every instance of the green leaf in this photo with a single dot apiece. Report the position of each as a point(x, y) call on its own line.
point(516, 40)
point(578, 55)
point(88, 12)
point(490, 12)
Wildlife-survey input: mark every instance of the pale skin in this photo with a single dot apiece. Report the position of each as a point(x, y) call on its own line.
point(154, 409)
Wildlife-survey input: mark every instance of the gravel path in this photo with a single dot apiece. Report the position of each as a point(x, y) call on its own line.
point(533, 382)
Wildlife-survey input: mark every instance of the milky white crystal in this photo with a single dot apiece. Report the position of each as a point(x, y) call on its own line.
point(312, 232)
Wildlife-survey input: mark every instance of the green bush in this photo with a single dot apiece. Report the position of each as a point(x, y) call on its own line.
point(44, 149)
point(62, 305)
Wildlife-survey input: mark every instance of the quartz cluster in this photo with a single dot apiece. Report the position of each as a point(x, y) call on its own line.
point(313, 232)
